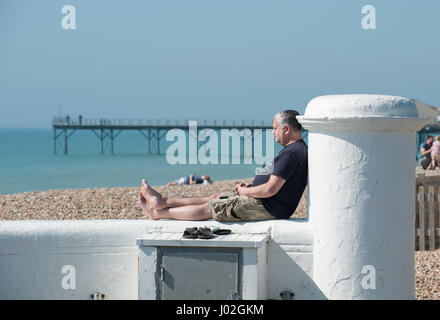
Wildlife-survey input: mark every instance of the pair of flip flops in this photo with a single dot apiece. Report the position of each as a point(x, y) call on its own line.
point(200, 233)
point(203, 232)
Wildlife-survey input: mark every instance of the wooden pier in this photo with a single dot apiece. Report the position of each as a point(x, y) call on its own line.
point(151, 129)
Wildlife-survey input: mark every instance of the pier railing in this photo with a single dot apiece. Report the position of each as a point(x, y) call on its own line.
point(65, 121)
point(152, 129)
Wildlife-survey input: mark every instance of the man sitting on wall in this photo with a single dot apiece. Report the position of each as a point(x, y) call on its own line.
point(275, 194)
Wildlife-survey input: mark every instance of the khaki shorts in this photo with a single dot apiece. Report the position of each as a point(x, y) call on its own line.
point(231, 207)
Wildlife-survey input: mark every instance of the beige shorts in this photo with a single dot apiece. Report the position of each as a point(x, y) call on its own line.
point(231, 207)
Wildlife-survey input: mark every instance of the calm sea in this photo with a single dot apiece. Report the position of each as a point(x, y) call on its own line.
point(28, 162)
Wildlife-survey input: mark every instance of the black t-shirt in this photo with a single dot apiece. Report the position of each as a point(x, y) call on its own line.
point(427, 147)
point(291, 165)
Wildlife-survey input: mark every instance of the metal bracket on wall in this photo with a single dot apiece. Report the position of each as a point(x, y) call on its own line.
point(287, 295)
point(97, 296)
point(235, 296)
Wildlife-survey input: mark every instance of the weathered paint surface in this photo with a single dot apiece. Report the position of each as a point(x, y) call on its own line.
point(105, 256)
point(361, 192)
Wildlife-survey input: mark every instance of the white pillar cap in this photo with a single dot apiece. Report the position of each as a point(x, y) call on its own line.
point(362, 112)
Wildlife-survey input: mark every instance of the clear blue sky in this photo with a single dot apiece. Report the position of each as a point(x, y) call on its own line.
point(195, 59)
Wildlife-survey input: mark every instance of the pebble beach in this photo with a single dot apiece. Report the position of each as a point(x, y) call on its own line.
point(122, 203)
point(103, 203)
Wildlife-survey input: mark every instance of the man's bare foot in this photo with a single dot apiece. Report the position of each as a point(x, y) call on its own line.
point(152, 213)
point(142, 201)
point(152, 197)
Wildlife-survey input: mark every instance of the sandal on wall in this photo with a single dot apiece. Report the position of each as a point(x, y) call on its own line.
point(191, 233)
point(205, 233)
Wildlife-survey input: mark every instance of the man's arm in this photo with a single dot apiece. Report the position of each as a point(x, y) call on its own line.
point(425, 152)
point(266, 190)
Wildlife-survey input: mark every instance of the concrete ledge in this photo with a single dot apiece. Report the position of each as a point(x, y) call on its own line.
point(286, 231)
point(54, 233)
point(105, 256)
point(25, 233)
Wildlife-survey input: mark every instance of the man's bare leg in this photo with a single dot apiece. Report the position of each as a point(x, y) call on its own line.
point(158, 201)
point(190, 212)
point(180, 202)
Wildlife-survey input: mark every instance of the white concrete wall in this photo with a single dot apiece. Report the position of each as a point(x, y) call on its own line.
point(105, 256)
point(33, 253)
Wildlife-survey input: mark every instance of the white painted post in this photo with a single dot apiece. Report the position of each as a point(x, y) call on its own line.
point(437, 230)
point(421, 233)
point(362, 151)
point(431, 227)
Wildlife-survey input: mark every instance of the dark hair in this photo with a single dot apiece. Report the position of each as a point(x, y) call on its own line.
point(288, 117)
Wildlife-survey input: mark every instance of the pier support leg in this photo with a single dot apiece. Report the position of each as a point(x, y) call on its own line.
point(65, 141)
point(149, 141)
point(158, 140)
point(102, 141)
point(55, 141)
point(112, 137)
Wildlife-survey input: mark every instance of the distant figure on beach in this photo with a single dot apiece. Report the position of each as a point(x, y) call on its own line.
point(80, 118)
point(435, 154)
point(191, 179)
point(68, 119)
point(273, 195)
point(425, 151)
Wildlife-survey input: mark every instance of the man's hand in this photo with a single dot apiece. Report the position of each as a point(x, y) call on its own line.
point(241, 186)
point(265, 190)
point(426, 152)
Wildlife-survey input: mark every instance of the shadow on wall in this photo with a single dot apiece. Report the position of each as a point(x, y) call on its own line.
point(286, 274)
point(301, 210)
